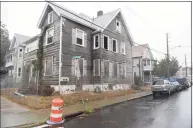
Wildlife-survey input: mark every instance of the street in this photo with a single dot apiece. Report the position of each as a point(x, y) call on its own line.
point(162, 112)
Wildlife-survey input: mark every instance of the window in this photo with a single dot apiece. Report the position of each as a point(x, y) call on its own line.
point(49, 36)
point(96, 41)
point(19, 72)
point(144, 63)
point(122, 67)
point(106, 68)
point(118, 26)
point(33, 73)
point(48, 66)
point(79, 37)
point(148, 62)
point(96, 67)
point(122, 48)
point(115, 69)
point(31, 46)
point(20, 52)
point(79, 67)
point(106, 42)
point(50, 17)
point(114, 45)
point(111, 71)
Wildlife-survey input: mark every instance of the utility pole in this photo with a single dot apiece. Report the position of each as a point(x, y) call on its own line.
point(168, 57)
point(186, 66)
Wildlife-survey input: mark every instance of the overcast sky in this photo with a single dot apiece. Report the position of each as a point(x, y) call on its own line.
point(148, 21)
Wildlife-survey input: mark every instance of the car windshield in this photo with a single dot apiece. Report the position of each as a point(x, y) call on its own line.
point(158, 82)
point(172, 80)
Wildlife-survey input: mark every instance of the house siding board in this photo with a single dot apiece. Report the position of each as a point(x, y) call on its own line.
point(69, 50)
point(118, 57)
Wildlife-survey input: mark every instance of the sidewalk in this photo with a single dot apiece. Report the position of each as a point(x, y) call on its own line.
point(39, 116)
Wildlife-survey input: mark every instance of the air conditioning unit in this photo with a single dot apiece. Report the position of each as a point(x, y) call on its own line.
point(64, 79)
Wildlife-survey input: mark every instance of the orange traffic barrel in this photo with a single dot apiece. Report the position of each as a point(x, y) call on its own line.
point(56, 112)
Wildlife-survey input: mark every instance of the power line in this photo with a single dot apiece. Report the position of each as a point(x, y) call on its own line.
point(101, 27)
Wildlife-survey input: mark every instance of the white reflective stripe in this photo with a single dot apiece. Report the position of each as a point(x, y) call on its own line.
point(56, 115)
point(55, 108)
point(42, 126)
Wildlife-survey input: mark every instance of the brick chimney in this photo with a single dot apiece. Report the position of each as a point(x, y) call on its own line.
point(99, 13)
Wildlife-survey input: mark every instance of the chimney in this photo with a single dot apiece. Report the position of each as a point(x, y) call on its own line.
point(99, 13)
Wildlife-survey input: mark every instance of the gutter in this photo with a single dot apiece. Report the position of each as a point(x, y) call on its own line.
point(60, 53)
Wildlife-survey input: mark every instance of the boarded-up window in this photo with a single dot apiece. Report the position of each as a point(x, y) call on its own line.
point(115, 69)
point(122, 69)
point(123, 48)
point(111, 72)
point(55, 67)
point(48, 66)
point(96, 67)
point(79, 67)
point(102, 67)
point(106, 66)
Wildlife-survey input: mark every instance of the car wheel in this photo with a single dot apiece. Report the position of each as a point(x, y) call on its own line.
point(154, 94)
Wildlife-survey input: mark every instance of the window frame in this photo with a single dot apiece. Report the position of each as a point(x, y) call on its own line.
point(82, 37)
point(47, 36)
point(52, 12)
point(18, 72)
point(20, 52)
point(116, 45)
point(104, 42)
point(45, 66)
point(118, 29)
point(94, 44)
point(122, 48)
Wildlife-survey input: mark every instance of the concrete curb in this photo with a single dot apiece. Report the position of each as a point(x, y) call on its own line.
point(144, 94)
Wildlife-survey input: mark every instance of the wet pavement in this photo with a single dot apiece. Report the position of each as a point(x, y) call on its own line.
point(162, 112)
point(13, 114)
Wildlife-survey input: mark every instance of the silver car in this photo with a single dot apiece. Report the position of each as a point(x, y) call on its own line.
point(161, 85)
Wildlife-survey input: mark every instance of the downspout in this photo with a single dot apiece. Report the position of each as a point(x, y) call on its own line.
point(60, 55)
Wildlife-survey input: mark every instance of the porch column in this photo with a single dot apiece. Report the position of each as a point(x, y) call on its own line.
point(150, 77)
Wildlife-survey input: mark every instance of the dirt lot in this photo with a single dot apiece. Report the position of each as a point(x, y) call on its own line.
point(42, 102)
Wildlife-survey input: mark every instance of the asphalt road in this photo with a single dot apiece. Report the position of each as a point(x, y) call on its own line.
point(162, 112)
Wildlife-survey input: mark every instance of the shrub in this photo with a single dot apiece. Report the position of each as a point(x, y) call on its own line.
point(32, 89)
point(46, 90)
point(137, 80)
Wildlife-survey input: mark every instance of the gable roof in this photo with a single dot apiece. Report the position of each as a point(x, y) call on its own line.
point(99, 23)
point(18, 39)
point(139, 50)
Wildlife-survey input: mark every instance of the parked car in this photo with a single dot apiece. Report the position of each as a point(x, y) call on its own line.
point(175, 83)
point(183, 82)
point(162, 86)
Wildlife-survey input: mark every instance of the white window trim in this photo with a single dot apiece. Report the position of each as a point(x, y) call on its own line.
point(124, 48)
point(116, 45)
point(82, 37)
point(95, 41)
point(104, 42)
point(117, 28)
point(49, 17)
point(47, 36)
point(18, 72)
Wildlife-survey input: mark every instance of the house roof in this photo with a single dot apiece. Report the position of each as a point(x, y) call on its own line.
point(139, 50)
point(19, 39)
point(99, 23)
point(32, 39)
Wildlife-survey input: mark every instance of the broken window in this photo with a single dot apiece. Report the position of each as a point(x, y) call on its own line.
point(118, 26)
point(106, 41)
point(50, 17)
point(96, 41)
point(49, 36)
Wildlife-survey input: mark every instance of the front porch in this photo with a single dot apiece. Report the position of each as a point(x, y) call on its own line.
point(147, 77)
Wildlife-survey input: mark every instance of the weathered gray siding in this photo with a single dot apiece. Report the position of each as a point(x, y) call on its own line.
point(118, 57)
point(50, 50)
point(69, 50)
